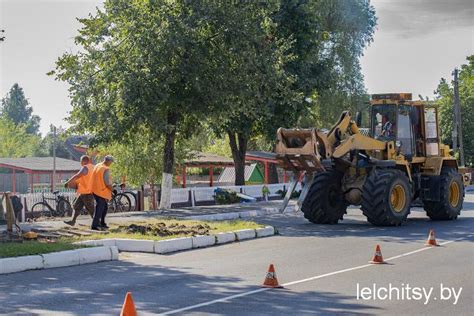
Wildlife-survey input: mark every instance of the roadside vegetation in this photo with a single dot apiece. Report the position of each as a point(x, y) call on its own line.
point(159, 229)
point(35, 247)
point(153, 229)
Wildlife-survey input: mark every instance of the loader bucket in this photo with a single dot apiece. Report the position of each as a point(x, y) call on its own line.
point(297, 150)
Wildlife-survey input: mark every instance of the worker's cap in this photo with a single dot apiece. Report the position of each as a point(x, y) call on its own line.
point(109, 158)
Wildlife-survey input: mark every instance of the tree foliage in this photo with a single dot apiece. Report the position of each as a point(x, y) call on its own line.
point(140, 161)
point(15, 107)
point(15, 141)
point(257, 87)
point(60, 144)
point(445, 94)
point(308, 70)
point(145, 64)
point(161, 66)
point(329, 38)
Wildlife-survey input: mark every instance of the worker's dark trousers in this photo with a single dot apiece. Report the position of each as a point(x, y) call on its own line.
point(100, 211)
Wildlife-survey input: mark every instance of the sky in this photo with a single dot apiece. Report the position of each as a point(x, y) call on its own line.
point(417, 42)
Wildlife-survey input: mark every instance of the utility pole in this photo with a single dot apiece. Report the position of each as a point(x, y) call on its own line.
point(53, 187)
point(457, 130)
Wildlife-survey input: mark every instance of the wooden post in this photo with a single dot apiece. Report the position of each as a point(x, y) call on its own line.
point(23, 214)
point(184, 176)
point(25, 205)
point(14, 181)
point(51, 178)
point(211, 175)
point(10, 214)
point(193, 199)
point(32, 183)
point(60, 176)
point(266, 172)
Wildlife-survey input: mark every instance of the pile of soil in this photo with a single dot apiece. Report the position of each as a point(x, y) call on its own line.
point(160, 229)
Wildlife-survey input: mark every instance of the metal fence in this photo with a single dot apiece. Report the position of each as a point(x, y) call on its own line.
point(21, 182)
point(29, 199)
point(179, 196)
point(205, 195)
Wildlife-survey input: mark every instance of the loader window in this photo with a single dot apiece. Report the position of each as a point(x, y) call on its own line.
point(404, 131)
point(384, 121)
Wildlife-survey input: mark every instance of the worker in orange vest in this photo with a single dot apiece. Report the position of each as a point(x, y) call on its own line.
point(102, 190)
point(82, 182)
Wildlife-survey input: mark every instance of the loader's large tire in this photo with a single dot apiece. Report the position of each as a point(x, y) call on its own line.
point(386, 197)
point(325, 203)
point(451, 197)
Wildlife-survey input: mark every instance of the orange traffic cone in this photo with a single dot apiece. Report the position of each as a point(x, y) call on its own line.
point(378, 259)
point(271, 278)
point(128, 308)
point(431, 239)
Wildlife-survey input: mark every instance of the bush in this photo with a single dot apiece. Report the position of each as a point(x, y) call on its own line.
point(225, 196)
point(294, 195)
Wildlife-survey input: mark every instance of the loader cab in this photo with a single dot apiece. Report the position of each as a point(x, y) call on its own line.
point(412, 125)
point(393, 119)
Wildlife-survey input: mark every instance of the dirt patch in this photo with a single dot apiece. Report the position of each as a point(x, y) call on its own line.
point(163, 230)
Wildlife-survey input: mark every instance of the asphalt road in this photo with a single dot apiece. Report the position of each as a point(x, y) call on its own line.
point(324, 269)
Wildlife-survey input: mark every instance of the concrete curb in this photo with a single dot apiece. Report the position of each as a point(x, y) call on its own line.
point(184, 243)
point(204, 241)
point(58, 259)
point(135, 245)
point(172, 245)
point(224, 238)
point(245, 234)
point(234, 215)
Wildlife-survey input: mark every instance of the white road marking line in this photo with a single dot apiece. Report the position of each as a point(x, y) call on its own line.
point(220, 300)
point(228, 298)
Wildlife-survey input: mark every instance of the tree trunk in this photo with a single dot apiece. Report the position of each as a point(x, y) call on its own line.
point(238, 154)
point(168, 161)
point(272, 171)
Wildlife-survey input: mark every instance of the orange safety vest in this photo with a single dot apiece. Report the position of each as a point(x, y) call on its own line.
point(84, 184)
point(98, 184)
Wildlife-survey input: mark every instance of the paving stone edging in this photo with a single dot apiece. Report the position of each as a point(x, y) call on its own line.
point(183, 243)
point(58, 259)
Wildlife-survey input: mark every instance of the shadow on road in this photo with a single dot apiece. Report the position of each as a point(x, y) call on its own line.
point(101, 288)
point(355, 225)
point(286, 302)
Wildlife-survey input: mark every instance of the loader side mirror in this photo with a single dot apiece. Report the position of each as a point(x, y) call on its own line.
point(358, 119)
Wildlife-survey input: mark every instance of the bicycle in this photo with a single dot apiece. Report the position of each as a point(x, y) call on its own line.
point(43, 208)
point(131, 195)
point(120, 202)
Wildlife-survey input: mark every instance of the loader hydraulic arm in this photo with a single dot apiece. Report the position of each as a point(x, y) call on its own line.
point(344, 126)
point(303, 149)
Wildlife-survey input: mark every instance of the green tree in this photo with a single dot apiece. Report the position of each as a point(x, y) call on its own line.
point(257, 87)
point(329, 38)
point(140, 159)
point(16, 108)
point(444, 99)
point(145, 65)
point(60, 143)
point(15, 141)
point(312, 54)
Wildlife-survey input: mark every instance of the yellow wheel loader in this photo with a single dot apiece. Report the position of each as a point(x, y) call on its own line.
point(382, 168)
